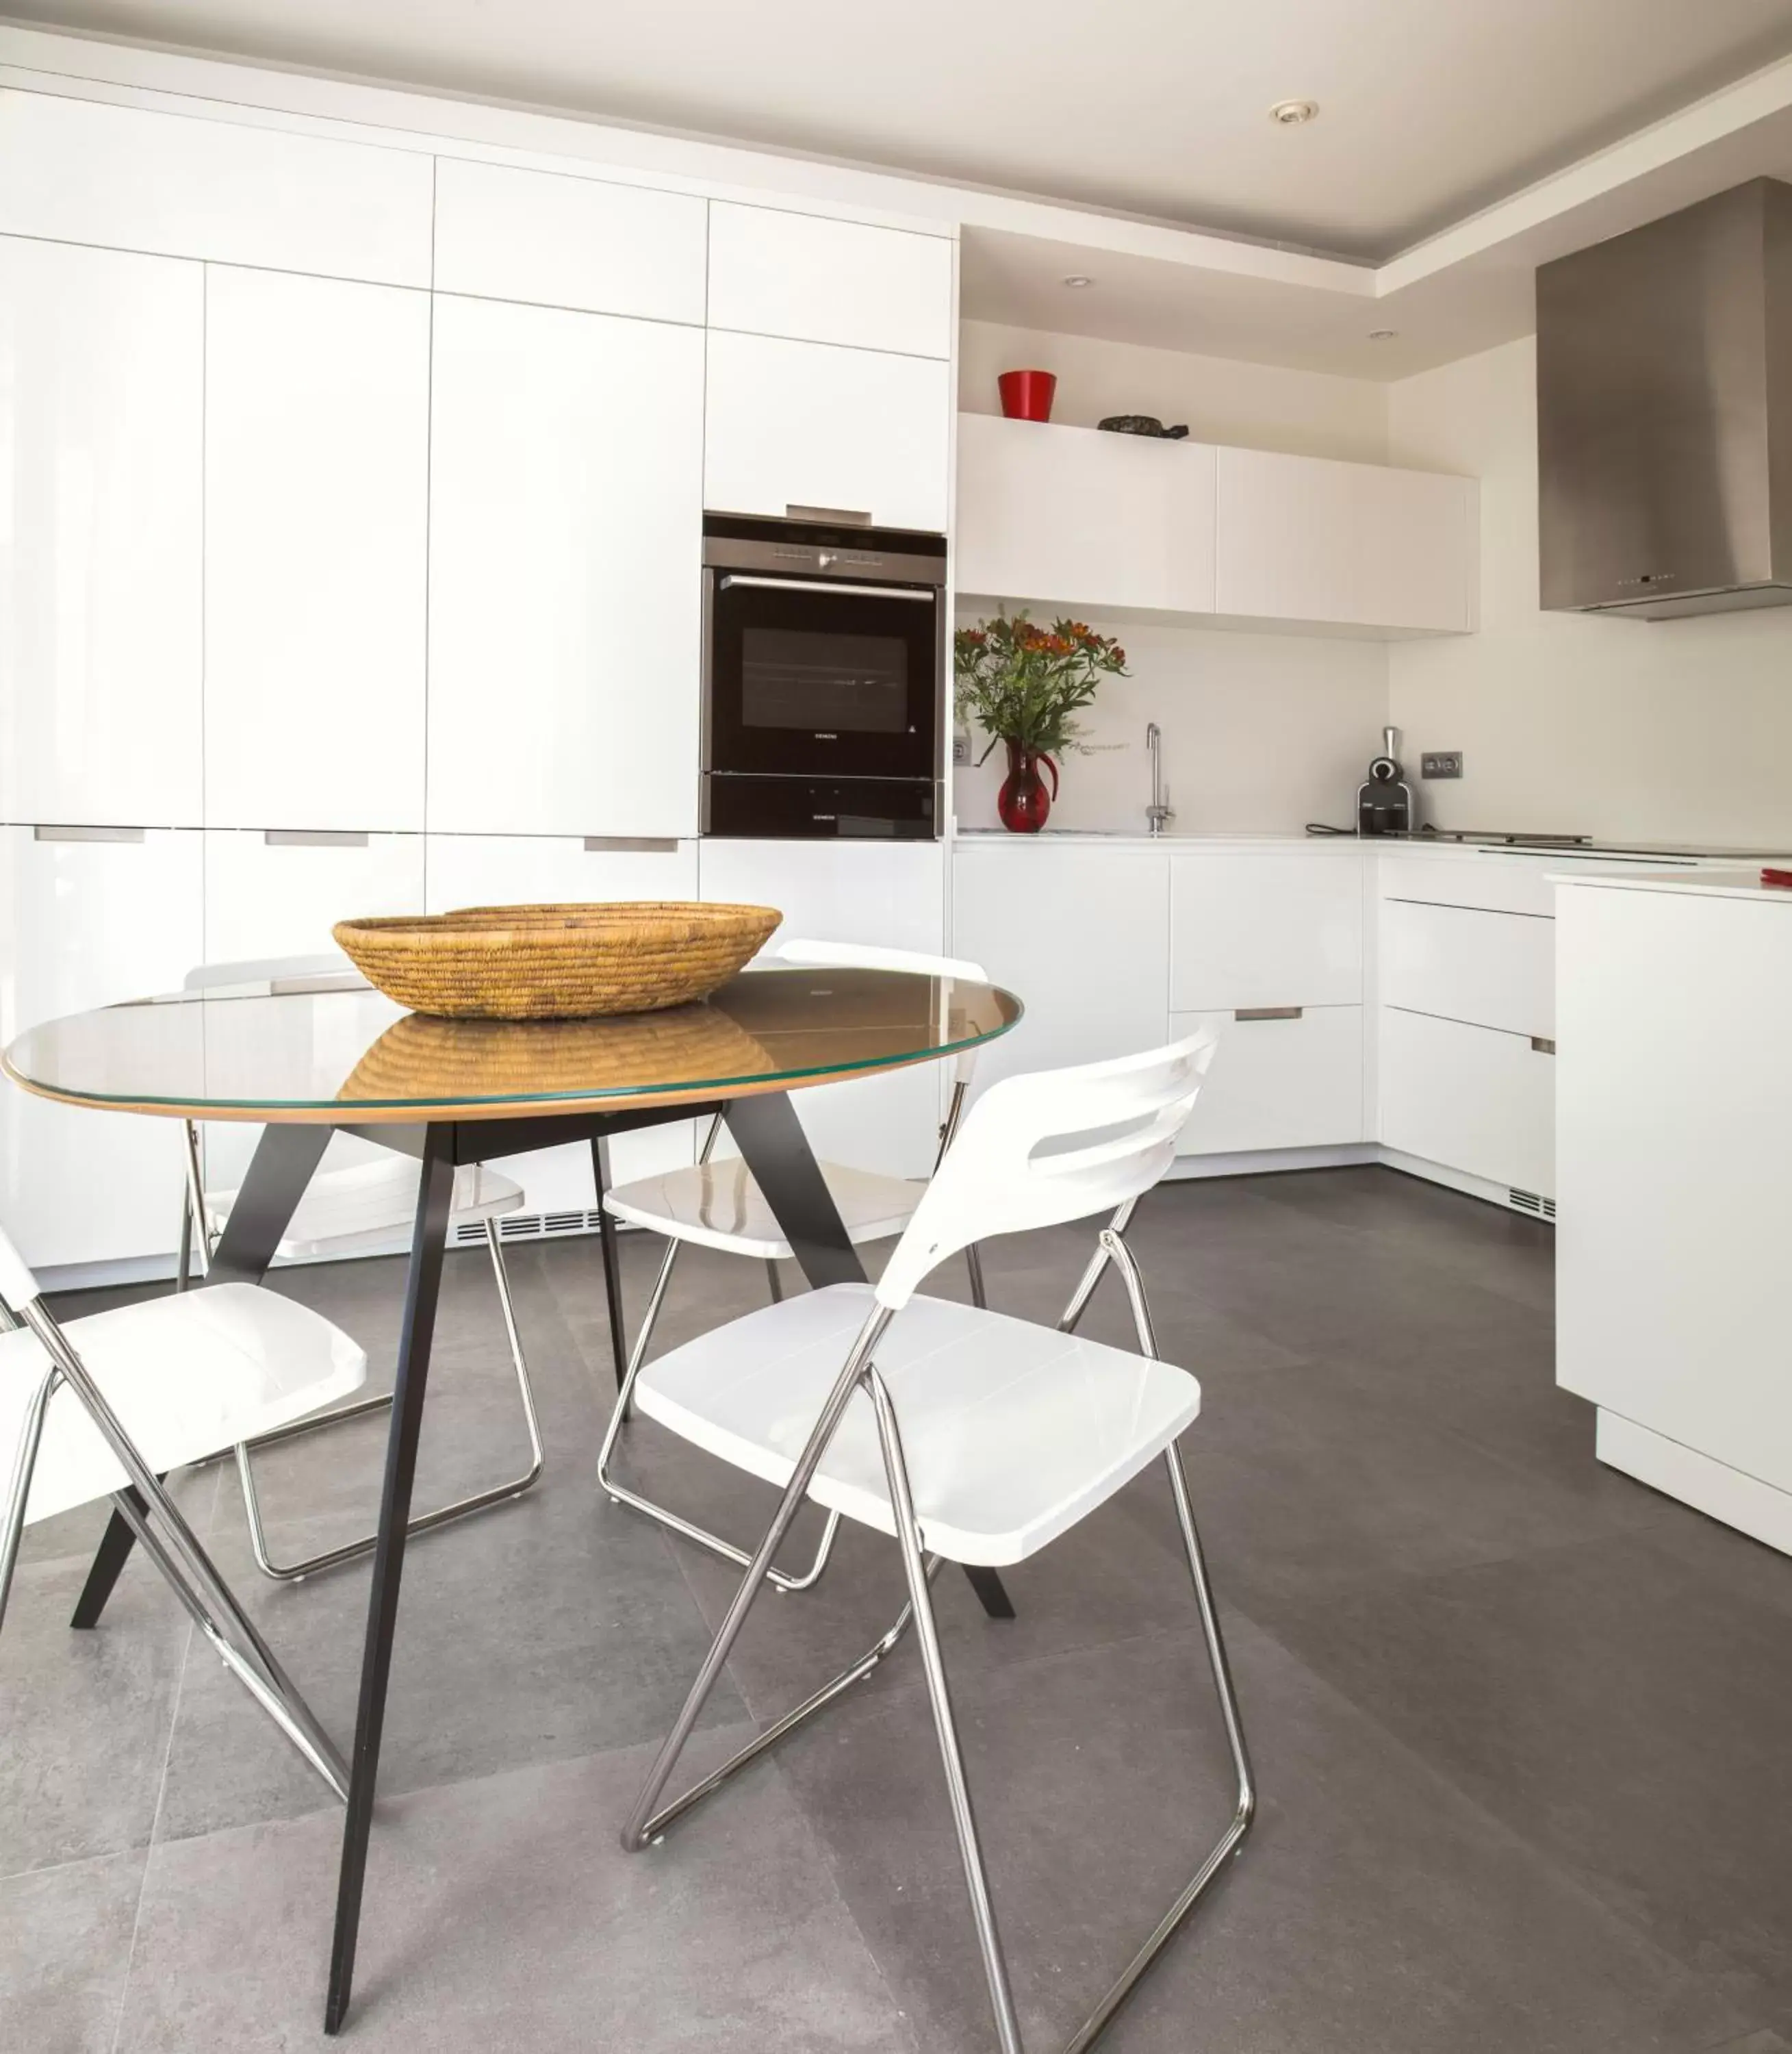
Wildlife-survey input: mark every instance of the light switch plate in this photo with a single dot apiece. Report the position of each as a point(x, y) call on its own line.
point(1440, 763)
point(961, 749)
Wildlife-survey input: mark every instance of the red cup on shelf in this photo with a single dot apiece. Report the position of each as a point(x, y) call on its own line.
point(1026, 395)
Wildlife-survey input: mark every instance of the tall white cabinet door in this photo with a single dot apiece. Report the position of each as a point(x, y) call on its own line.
point(1080, 935)
point(513, 870)
point(502, 234)
point(1071, 516)
point(795, 426)
point(316, 521)
point(772, 273)
point(885, 896)
point(100, 442)
point(85, 923)
point(565, 541)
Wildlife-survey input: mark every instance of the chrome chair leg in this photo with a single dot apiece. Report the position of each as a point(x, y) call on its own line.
point(425, 1522)
point(774, 1282)
point(1096, 1270)
point(973, 1263)
point(18, 1490)
point(620, 1494)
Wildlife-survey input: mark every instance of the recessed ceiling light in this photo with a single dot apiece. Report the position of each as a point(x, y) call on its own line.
point(1291, 113)
point(1077, 279)
point(1383, 334)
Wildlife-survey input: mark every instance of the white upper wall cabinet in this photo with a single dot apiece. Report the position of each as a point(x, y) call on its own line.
point(506, 234)
point(1310, 539)
point(795, 426)
point(1071, 516)
point(101, 430)
point(819, 281)
point(565, 547)
point(80, 171)
point(316, 519)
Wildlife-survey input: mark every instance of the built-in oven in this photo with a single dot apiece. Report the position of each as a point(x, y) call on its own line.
point(823, 679)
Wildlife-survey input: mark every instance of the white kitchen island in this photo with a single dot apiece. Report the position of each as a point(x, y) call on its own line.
point(1674, 1173)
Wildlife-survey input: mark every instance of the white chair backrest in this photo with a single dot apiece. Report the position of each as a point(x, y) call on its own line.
point(1058, 1145)
point(859, 955)
point(17, 1286)
point(270, 970)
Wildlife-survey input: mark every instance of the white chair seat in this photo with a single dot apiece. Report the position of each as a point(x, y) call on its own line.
point(717, 1205)
point(1013, 1432)
point(188, 1376)
point(362, 1204)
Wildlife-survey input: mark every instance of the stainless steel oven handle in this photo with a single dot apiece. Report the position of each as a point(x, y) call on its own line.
point(828, 585)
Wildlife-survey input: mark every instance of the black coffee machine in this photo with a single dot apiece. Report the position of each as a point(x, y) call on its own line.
point(1384, 798)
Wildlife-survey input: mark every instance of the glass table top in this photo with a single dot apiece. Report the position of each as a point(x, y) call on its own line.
point(338, 1050)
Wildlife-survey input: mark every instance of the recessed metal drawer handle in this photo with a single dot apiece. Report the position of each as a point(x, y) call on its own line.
point(849, 514)
point(642, 845)
point(1542, 1045)
point(312, 838)
point(1269, 1012)
point(89, 834)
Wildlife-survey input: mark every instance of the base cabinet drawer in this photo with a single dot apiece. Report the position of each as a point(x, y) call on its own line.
point(1282, 1078)
point(1490, 970)
point(1261, 930)
point(1470, 1097)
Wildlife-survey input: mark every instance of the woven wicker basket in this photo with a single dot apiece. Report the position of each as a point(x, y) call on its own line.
point(555, 963)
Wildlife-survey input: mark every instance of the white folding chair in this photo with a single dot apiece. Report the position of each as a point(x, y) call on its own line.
point(347, 1211)
point(108, 1405)
point(968, 1435)
point(718, 1205)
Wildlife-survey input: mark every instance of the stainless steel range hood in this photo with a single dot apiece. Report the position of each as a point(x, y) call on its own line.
point(1664, 413)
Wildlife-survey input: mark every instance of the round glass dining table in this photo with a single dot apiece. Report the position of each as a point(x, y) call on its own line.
point(309, 1058)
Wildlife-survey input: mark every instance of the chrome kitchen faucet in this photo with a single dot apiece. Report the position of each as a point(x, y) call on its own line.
point(1159, 813)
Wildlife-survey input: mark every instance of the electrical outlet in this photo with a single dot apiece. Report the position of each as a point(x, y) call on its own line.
point(961, 749)
point(1440, 763)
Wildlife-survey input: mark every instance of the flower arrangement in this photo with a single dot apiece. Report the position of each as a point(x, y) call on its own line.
point(1024, 685)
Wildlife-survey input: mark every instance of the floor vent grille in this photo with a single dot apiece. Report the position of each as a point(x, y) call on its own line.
point(1528, 1201)
point(528, 1226)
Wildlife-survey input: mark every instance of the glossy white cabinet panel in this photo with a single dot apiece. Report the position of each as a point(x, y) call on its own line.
point(1418, 541)
point(1265, 929)
point(1081, 935)
point(1071, 517)
point(807, 424)
point(316, 527)
point(1278, 1082)
point(502, 233)
point(1470, 1097)
point(821, 280)
point(101, 453)
point(87, 923)
point(508, 870)
point(80, 171)
point(565, 541)
point(1496, 882)
point(889, 895)
point(1492, 969)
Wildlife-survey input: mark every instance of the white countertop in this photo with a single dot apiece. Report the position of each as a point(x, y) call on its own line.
point(1691, 883)
point(1603, 865)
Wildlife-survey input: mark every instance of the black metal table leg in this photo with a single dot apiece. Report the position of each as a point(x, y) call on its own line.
point(429, 1240)
point(612, 1264)
point(771, 1137)
point(281, 1166)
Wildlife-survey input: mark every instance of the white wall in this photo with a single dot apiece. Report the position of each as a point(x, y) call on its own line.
point(1631, 729)
point(1258, 405)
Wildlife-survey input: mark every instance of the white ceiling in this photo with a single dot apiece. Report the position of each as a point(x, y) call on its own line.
point(1430, 109)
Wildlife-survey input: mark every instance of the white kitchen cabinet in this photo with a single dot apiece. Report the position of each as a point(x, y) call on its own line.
point(883, 895)
point(502, 233)
point(316, 523)
point(1471, 1099)
point(1311, 539)
point(1080, 934)
point(510, 869)
point(801, 275)
point(1492, 970)
point(565, 538)
point(1284, 1078)
point(1261, 929)
point(792, 426)
point(101, 356)
point(1071, 517)
point(88, 922)
point(132, 177)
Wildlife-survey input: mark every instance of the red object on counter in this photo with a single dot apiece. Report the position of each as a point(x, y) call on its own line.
point(1026, 395)
point(1771, 876)
point(1023, 805)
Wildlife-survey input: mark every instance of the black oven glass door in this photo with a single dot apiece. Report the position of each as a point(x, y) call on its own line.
point(808, 678)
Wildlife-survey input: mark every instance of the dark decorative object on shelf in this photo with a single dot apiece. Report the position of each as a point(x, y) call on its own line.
point(1142, 424)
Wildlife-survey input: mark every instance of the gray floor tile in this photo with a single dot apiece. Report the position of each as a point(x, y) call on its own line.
point(502, 1916)
point(67, 1942)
